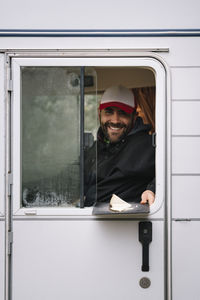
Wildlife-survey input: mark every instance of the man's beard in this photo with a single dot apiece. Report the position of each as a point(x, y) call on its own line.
point(108, 124)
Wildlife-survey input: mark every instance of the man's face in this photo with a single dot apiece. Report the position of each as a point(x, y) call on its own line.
point(115, 123)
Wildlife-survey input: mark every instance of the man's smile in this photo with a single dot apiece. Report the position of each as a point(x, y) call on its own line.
point(115, 128)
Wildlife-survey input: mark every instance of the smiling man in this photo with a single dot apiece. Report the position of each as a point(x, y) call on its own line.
point(125, 155)
point(116, 112)
point(115, 123)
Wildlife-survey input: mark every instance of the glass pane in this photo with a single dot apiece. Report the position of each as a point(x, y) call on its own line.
point(50, 103)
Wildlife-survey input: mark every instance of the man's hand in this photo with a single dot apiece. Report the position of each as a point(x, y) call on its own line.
point(147, 196)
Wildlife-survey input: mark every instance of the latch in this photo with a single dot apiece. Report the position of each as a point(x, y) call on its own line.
point(145, 237)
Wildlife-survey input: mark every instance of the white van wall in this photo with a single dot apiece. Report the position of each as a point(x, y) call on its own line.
point(99, 14)
point(183, 61)
point(2, 180)
point(185, 180)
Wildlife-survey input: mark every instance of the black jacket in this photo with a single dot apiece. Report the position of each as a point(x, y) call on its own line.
point(126, 168)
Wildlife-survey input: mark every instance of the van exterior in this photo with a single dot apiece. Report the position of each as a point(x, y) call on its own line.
point(48, 252)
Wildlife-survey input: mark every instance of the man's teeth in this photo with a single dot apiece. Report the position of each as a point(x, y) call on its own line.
point(115, 128)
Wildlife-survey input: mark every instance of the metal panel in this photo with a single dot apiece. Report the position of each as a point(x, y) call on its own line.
point(65, 15)
point(185, 83)
point(185, 118)
point(186, 260)
point(185, 196)
point(84, 259)
point(2, 134)
point(185, 155)
point(2, 182)
point(181, 52)
point(2, 257)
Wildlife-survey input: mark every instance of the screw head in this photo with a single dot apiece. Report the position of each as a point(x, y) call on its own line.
point(145, 282)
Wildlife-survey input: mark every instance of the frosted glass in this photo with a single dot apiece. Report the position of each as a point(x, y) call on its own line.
point(50, 127)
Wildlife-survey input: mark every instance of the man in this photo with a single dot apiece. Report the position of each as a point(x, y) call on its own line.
point(125, 155)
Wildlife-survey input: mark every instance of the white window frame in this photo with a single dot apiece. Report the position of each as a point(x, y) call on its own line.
point(2, 137)
point(146, 60)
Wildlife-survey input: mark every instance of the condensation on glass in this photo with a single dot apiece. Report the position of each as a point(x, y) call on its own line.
point(50, 128)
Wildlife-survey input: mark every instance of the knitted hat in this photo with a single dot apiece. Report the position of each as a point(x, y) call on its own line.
point(118, 96)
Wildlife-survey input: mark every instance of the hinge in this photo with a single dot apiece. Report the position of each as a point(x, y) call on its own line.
point(154, 139)
point(10, 86)
point(10, 242)
point(10, 183)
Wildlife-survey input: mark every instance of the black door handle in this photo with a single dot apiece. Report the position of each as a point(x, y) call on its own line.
point(145, 237)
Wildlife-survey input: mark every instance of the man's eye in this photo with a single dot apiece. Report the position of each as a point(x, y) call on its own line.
point(122, 113)
point(108, 111)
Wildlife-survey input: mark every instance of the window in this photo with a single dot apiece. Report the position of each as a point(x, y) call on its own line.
point(48, 125)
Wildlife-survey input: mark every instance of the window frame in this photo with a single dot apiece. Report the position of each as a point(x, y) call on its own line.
point(146, 61)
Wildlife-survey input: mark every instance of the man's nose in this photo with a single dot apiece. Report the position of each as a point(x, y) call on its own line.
point(115, 117)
